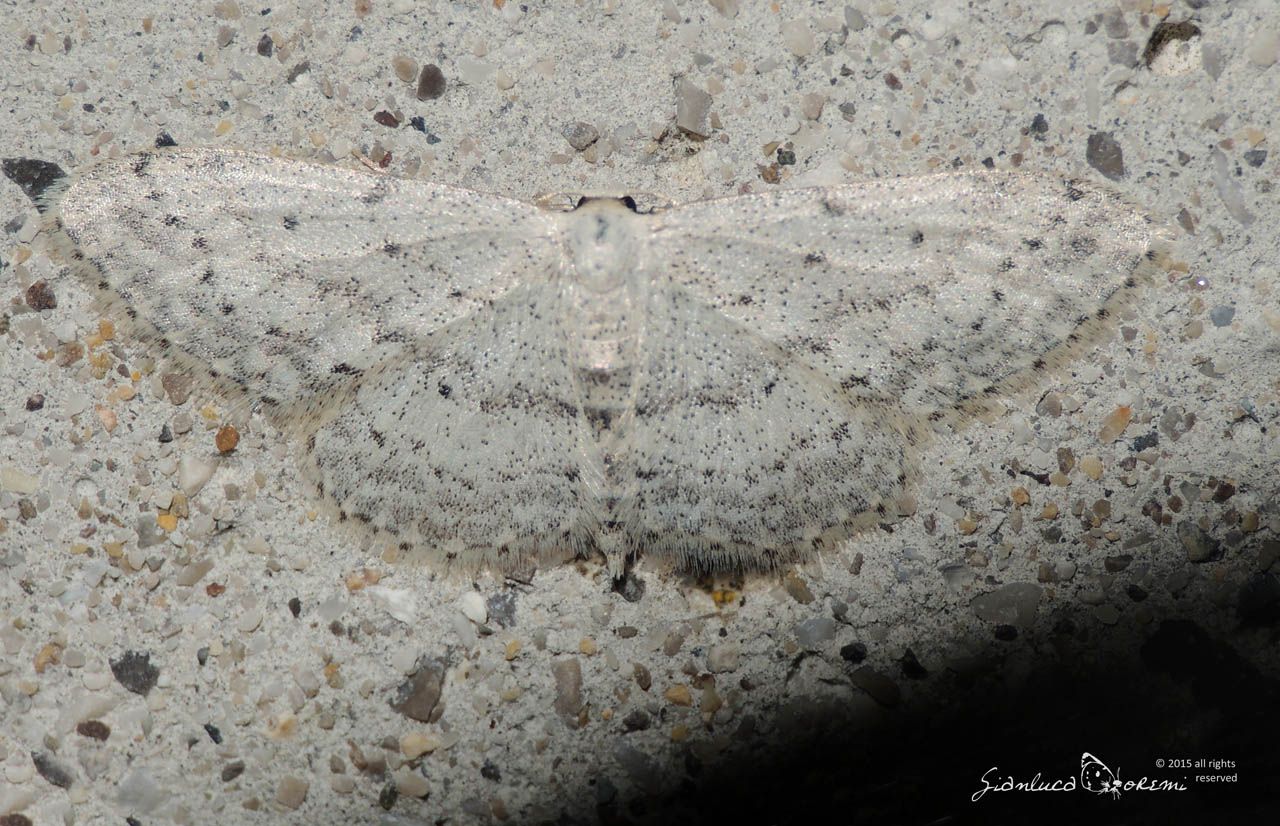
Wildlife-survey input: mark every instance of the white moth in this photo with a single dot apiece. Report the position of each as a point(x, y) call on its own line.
point(731, 384)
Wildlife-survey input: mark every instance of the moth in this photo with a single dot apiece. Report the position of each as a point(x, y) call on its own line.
point(733, 384)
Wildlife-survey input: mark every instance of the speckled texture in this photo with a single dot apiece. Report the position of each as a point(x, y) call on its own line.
point(1125, 517)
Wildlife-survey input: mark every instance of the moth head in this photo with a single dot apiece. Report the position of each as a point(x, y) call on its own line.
point(641, 203)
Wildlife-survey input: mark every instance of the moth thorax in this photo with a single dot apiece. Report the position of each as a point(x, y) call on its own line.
point(602, 246)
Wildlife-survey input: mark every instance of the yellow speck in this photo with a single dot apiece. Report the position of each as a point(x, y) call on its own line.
point(1020, 496)
point(51, 654)
point(725, 596)
point(223, 127)
point(1050, 511)
point(587, 646)
point(679, 695)
point(679, 733)
point(511, 649)
point(115, 550)
point(283, 727)
point(167, 521)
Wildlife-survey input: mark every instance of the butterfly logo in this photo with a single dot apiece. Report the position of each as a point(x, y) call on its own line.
point(1096, 777)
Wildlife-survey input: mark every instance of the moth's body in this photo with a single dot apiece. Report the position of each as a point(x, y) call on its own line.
point(606, 280)
point(728, 384)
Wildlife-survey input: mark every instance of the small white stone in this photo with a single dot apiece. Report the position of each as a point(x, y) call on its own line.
point(417, 743)
point(249, 620)
point(397, 602)
point(15, 481)
point(1264, 48)
point(473, 608)
point(193, 473)
point(797, 38)
point(96, 680)
point(411, 784)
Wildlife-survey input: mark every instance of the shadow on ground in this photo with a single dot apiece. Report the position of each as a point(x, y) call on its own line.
point(1172, 691)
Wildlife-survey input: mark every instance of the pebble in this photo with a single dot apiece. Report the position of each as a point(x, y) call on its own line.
point(502, 608)
point(418, 698)
point(93, 729)
point(192, 573)
point(292, 791)
point(134, 671)
point(568, 676)
point(798, 589)
point(722, 658)
point(342, 783)
point(15, 481)
point(1229, 189)
point(417, 743)
point(797, 38)
point(853, 653)
point(811, 105)
point(1222, 314)
point(474, 72)
point(1091, 466)
point(410, 783)
point(693, 108)
point(1107, 614)
point(226, 438)
point(1104, 154)
point(1200, 546)
point(637, 720)
point(193, 473)
point(813, 632)
point(96, 680)
point(1115, 564)
point(1264, 48)
point(1012, 604)
point(431, 82)
point(52, 770)
point(140, 793)
point(881, 688)
point(249, 620)
point(580, 135)
point(642, 676)
point(911, 667)
point(177, 386)
point(679, 695)
point(406, 68)
point(473, 607)
point(1114, 424)
point(40, 296)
